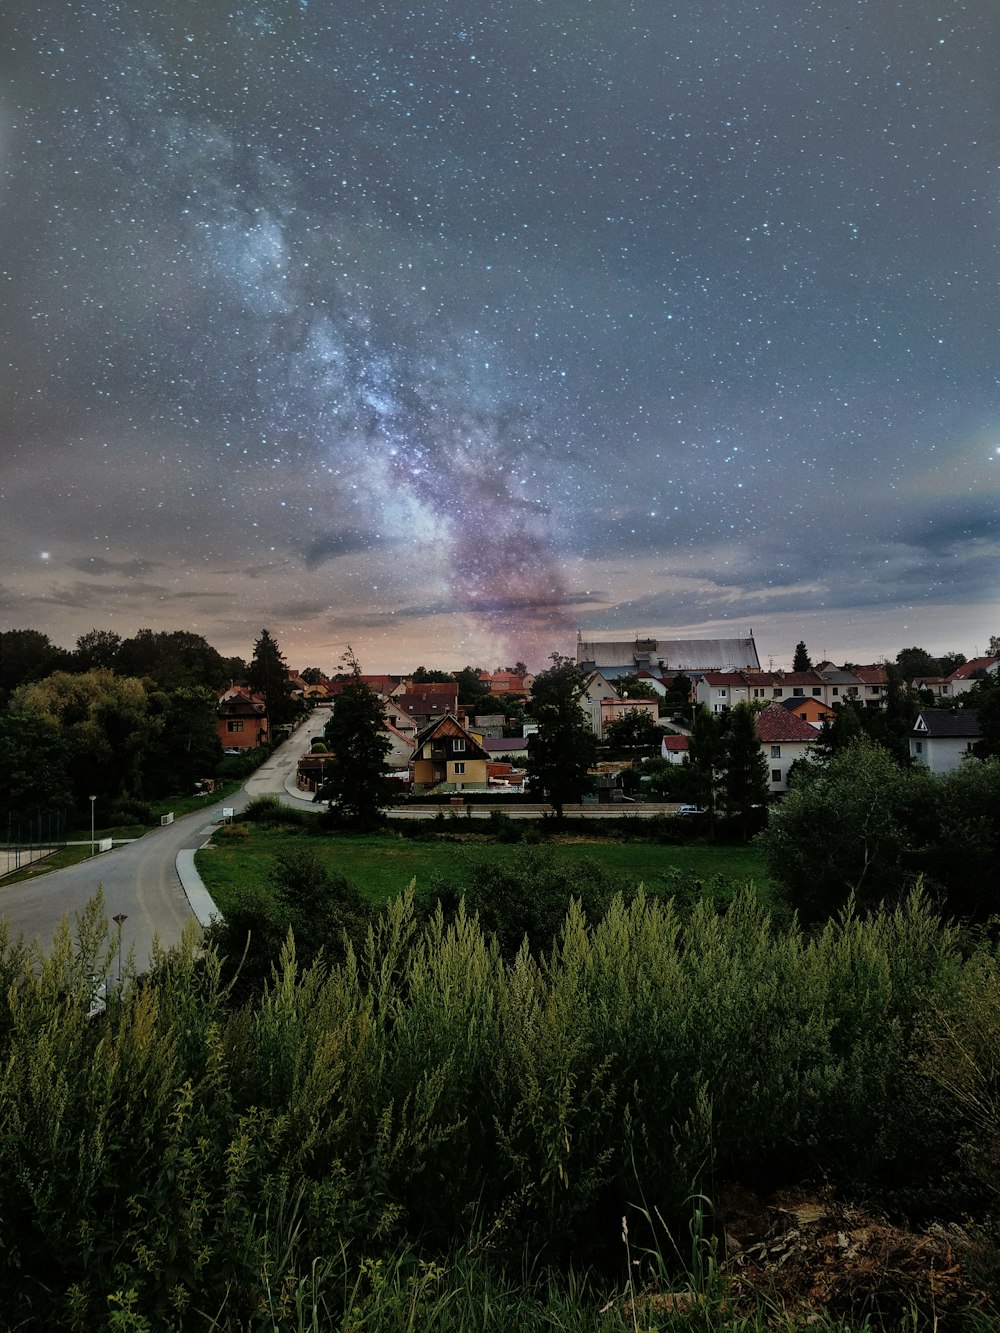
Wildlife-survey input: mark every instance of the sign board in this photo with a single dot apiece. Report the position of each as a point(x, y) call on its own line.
point(166, 819)
point(228, 811)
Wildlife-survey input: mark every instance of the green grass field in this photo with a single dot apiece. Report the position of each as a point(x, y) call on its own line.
point(381, 865)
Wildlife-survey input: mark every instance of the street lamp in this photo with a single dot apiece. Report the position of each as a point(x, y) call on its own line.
point(119, 919)
point(92, 800)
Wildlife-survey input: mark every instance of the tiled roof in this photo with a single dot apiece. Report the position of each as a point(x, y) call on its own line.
point(942, 722)
point(778, 724)
point(968, 669)
point(675, 743)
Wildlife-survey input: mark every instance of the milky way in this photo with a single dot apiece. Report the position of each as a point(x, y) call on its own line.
point(450, 328)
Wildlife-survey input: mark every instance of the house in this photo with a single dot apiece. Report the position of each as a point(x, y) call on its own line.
point(614, 709)
point(241, 722)
point(874, 681)
point(964, 678)
point(942, 737)
point(502, 748)
point(427, 702)
point(719, 690)
point(596, 687)
point(445, 752)
point(400, 755)
point(614, 658)
point(505, 682)
point(809, 709)
point(783, 738)
point(674, 749)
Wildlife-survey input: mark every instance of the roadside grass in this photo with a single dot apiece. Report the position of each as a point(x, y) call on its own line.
point(73, 855)
point(381, 865)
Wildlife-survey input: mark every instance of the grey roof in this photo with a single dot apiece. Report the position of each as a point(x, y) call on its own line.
point(504, 744)
point(617, 655)
point(942, 722)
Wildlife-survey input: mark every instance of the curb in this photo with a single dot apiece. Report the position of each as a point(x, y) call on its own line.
point(199, 899)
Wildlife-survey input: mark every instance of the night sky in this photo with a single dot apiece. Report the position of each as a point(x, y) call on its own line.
point(447, 329)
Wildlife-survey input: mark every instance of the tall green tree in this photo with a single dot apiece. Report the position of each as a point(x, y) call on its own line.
point(355, 776)
point(268, 675)
point(917, 662)
point(801, 661)
point(184, 745)
point(706, 756)
point(746, 783)
point(563, 749)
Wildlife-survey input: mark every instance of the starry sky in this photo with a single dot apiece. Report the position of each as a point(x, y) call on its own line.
point(447, 329)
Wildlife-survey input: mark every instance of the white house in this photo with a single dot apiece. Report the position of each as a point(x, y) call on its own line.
point(942, 737)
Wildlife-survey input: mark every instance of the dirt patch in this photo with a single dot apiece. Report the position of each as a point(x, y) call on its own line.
point(797, 1254)
point(800, 1251)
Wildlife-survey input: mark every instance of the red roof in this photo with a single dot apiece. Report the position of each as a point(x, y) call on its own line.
point(675, 742)
point(778, 724)
point(966, 670)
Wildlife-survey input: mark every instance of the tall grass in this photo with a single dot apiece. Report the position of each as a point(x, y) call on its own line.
point(184, 1159)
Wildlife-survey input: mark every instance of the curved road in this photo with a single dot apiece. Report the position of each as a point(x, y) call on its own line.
point(140, 878)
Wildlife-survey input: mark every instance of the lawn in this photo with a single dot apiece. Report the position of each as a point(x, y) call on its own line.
point(381, 865)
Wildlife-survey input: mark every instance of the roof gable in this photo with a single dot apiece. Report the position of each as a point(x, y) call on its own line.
point(778, 724)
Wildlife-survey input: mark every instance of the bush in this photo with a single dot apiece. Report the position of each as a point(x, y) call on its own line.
point(130, 810)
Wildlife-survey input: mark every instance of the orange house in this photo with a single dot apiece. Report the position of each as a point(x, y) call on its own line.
point(242, 722)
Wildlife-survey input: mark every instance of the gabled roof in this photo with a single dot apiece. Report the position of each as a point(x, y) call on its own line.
point(872, 675)
point(947, 722)
point(677, 743)
point(968, 669)
point(449, 725)
point(778, 724)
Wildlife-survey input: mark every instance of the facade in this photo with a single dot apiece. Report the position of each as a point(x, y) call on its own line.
point(942, 737)
point(809, 710)
point(783, 738)
point(445, 752)
point(719, 690)
point(964, 678)
point(242, 721)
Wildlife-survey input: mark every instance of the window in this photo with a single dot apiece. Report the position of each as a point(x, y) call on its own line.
point(458, 745)
point(798, 690)
point(234, 724)
point(758, 694)
point(722, 693)
point(817, 690)
point(778, 692)
point(836, 689)
point(459, 768)
point(775, 751)
point(920, 747)
point(775, 774)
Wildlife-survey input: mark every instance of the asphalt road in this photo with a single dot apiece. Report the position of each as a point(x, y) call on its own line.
point(140, 879)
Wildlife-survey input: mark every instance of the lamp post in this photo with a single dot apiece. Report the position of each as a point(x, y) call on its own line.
point(92, 800)
point(119, 919)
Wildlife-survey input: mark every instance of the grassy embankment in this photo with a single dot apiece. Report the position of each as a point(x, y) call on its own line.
point(381, 865)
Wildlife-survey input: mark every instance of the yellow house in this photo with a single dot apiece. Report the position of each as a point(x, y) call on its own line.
point(446, 752)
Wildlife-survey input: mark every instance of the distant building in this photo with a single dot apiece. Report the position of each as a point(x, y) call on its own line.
point(942, 737)
point(624, 657)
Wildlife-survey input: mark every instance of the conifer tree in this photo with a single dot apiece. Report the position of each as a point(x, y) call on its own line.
point(355, 776)
point(268, 675)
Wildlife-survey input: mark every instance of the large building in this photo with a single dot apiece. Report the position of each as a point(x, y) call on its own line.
point(616, 657)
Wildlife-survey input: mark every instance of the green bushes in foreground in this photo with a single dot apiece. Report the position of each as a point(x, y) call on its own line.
point(182, 1163)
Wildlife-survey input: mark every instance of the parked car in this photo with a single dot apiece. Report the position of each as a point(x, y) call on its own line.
point(691, 810)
